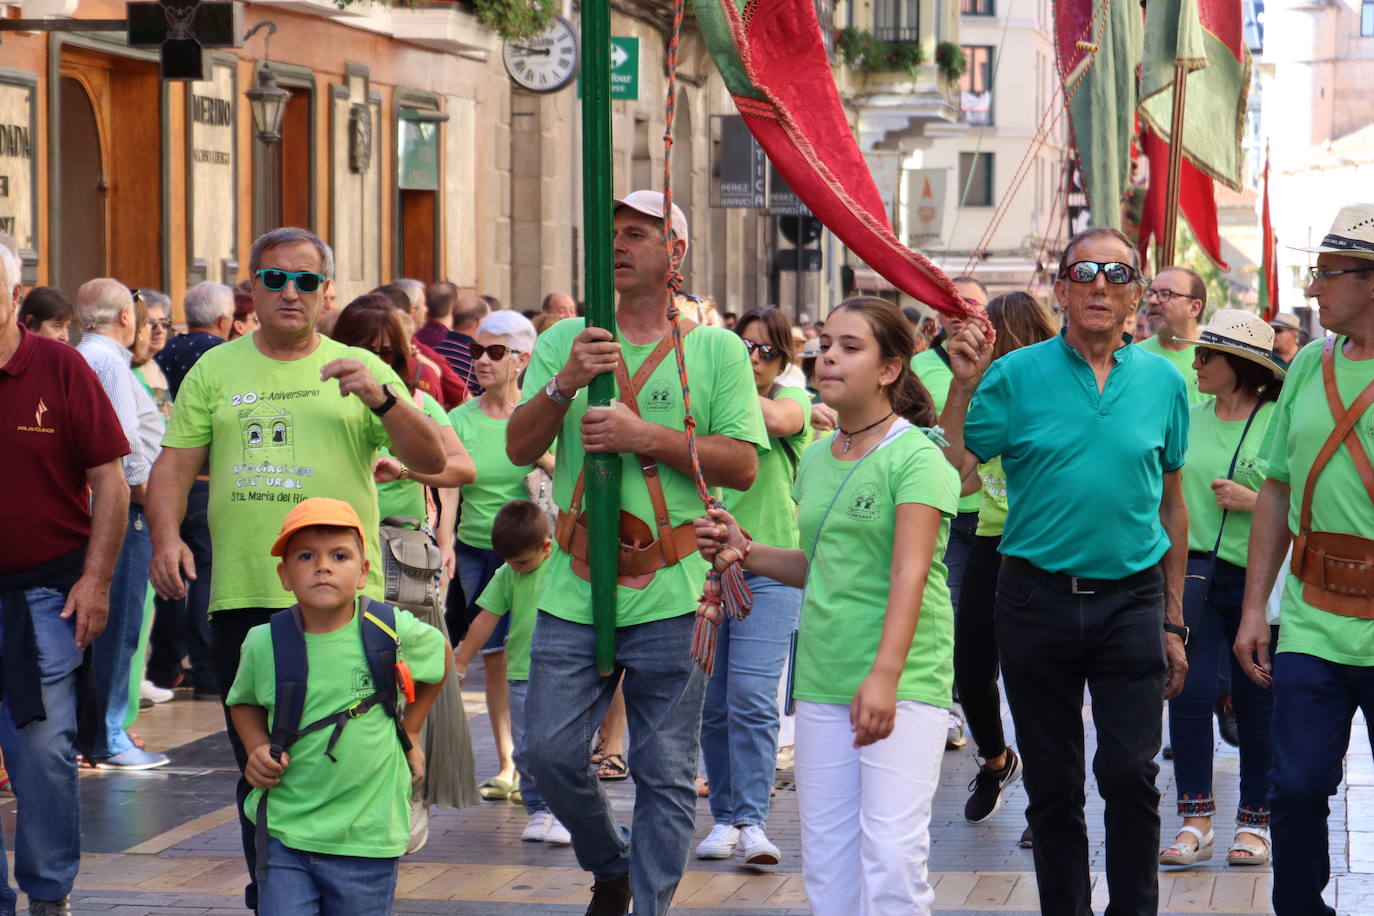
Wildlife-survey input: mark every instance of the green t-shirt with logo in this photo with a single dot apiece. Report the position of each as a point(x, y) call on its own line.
point(277, 436)
point(936, 375)
point(992, 514)
point(850, 576)
point(498, 481)
point(406, 498)
point(724, 403)
point(517, 594)
point(1182, 360)
point(1211, 445)
point(359, 806)
point(766, 509)
point(1340, 502)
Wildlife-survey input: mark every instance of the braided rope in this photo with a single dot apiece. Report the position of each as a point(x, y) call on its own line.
point(725, 588)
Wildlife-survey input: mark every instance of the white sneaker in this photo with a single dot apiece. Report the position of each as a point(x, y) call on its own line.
point(756, 847)
point(419, 827)
point(537, 829)
point(719, 843)
point(558, 835)
point(151, 691)
point(954, 736)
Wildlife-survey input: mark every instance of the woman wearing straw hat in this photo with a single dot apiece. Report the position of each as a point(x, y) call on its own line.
point(1221, 476)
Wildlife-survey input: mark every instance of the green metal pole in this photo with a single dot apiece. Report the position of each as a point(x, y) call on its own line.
point(602, 469)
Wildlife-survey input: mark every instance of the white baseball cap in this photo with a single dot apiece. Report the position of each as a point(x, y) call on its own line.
point(650, 203)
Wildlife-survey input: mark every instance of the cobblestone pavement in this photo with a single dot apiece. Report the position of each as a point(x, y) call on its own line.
point(166, 841)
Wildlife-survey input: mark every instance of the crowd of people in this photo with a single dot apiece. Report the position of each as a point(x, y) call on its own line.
point(319, 514)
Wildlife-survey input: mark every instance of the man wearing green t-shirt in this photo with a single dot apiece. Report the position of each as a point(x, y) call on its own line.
point(281, 415)
point(1175, 302)
point(1092, 434)
point(663, 688)
point(1324, 665)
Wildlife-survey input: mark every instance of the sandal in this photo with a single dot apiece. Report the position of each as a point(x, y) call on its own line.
point(612, 767)
point(1250, 853)
point(496, 788)
point(1181, 854)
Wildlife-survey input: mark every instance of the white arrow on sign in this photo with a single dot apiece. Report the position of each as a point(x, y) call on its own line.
point(619, 56)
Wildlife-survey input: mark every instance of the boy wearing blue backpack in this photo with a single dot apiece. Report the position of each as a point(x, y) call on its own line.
point(316, 702)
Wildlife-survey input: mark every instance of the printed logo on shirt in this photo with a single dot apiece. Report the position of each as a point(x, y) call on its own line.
point(265, 427)
point(362, 682)
point(657, 396)
point(1249, 466)
point(38, 426)
point(267, 437)
point(866, 503)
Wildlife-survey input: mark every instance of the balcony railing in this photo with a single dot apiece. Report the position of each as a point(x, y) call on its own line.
point(904, 34)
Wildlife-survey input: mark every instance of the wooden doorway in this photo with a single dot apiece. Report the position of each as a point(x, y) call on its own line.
point(107, 208)
point(418, 242)
point(283, 173)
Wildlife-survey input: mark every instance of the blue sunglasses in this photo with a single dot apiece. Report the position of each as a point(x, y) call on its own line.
point(307, 281)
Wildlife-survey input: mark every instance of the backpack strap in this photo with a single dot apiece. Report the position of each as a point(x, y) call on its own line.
point(382, 646)
point(292, 670)
point(1344, 430)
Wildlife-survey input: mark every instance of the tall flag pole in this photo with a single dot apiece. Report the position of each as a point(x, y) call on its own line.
point(1269, 268)
point(602, 468)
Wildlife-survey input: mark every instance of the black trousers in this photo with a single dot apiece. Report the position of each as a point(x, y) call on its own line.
point(975, 647)
point(1054, 642)
point(181, 626)
point(228, 629)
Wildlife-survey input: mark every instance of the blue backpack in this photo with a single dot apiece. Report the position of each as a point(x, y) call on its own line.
point(381, 646)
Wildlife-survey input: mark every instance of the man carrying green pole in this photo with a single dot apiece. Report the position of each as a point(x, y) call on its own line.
point(642, 626)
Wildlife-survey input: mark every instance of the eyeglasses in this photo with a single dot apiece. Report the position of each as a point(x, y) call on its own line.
point(1117, 273)
point(496, 352)
point(156, 323)
point(1166, 295)
point(1203, 354)
point(307, 281)
point(767, 352)
point(1315, 274)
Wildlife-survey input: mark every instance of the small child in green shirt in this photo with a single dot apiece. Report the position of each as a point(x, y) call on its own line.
point(338, 813)
point(520, 534)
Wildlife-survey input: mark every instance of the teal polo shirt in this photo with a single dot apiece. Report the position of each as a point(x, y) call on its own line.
point(1085, 471)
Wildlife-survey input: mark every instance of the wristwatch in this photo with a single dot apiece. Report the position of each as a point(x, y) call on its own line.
point(1180, 632)
point(390, 402)
point(551, 389)
point(405, 473)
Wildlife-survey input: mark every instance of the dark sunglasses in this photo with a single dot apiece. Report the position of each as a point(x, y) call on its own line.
point(307, 281)
point(767, 352)
point(496, 352)
point(1203, 354)
point(1117, 273)
point(386, 354)
point(159, 323)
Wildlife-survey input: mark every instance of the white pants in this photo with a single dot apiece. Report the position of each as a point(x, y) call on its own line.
point(865, 812)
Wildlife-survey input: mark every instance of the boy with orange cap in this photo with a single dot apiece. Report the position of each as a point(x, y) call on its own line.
point(335, 832)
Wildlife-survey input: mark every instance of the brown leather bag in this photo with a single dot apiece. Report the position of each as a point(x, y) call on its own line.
point(641, 554)
point(1337, 570)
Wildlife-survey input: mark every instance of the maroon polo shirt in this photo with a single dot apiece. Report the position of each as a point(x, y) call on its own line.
point(55, 422)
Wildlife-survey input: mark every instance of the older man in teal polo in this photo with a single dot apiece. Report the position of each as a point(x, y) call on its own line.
point(1092, 433)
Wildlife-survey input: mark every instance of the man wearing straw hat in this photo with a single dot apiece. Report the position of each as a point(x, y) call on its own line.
point(1320, 494)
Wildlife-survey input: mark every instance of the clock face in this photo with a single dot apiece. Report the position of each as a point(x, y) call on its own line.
point(548, 61)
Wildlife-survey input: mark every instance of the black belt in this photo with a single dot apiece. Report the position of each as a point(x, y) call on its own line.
point(1076, 585)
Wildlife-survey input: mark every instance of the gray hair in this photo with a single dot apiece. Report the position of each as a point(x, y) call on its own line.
point(155, 298)
point(206, 303)
point(9, 269)
point(290, 235)
point(513, 326)
point(100, 302)
point(414, 290)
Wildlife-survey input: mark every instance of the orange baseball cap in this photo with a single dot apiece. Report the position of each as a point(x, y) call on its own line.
point(317, 510)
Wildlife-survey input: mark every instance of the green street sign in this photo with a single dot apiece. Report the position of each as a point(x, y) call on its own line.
point(624, 68)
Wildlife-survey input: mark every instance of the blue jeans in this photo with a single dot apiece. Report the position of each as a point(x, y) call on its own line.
point(567, 699)
point(529, 789)
point(1314, 702)
point(739, 723)
point(113, 650)
point(41, 759)
point(475, 569)
point(1213, 616)
point(308, 883)
point(961, 531)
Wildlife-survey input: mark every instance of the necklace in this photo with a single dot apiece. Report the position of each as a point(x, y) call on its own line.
point(849, 437)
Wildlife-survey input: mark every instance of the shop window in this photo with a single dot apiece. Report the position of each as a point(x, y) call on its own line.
point(975, 179)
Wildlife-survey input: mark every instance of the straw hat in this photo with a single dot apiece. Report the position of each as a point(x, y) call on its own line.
point(1242, 333)
point(1352, 233)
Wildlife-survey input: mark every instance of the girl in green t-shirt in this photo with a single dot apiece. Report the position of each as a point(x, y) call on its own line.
point(739, 724)
point(1018, 321)
point(873, 666)
point(1233, 361)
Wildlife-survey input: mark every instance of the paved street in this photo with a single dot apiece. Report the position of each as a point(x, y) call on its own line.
point(166, 842)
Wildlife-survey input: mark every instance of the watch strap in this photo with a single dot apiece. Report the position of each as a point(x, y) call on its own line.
point(390, 402)
point(1180, 632)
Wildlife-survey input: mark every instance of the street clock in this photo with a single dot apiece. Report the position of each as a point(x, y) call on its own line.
point(548, 61)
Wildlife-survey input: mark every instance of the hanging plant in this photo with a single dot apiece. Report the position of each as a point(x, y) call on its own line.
point(950, 60)
point(862, 50)
point(515, 20)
